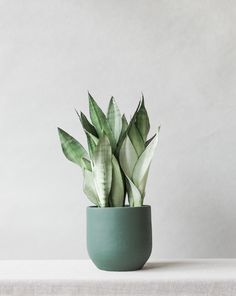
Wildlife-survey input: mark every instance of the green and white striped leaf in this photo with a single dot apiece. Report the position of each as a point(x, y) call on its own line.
point(141, 169)
point(127, 126)
point(114, 119)
point(124, 125)
point(122, 134)
point(72, 149)
point(134, 196)
point(117, 194)
point(100, 122)
point(133, 119)
point(142, 184)
point(142, 120)
point(89, 187)
point(86, 124)
point(136, 139)
point(86, 164)
point(102, 169)
point(92, 143)
point(128, 157)
point(108, 177)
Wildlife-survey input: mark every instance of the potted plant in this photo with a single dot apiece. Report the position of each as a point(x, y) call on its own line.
point(119, 236)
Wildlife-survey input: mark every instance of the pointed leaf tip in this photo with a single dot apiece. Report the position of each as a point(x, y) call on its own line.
point(114, 119)
point(72, 149)
point(142, 120)
point(100, 122)
point(88, 127)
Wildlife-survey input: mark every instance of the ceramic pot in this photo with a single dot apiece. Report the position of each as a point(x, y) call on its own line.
point(119, 238)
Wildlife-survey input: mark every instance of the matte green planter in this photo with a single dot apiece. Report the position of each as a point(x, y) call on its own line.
point(119, 239)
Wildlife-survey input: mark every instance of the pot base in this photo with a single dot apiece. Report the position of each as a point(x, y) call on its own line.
point(110, 268)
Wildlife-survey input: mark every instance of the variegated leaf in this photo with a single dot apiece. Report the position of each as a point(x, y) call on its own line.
point(117, 194)
point(72, 149)
point(149, 140)
point(99, 121)
point(89, 187)
point(114, 119)
point(92, 143)
point(142, 121)
point(86, 164)
point(124, 125)
point(102, 169)
point(136, 139)
point(128, 157)
point(122, 134)
point(141, 169)
point(134, 196)
point(86, 124)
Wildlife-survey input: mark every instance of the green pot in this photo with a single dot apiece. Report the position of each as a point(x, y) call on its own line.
point(119, 239)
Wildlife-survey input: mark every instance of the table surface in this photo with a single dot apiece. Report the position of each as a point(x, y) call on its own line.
point(81, 277)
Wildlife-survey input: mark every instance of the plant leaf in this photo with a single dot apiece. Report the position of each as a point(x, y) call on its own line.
point(142, 120)
point(134, 196)
point(149, 140)
point(102, 169)
point(124, 124)
point(122, 134)
point(89, 187)
point(86, 124)
point(117, 194)
point(114, 119)
point(92, 143)
point(86, 164)
point(136, 139)
point(126, 127)
point(143, 182)
point(135, 113)
point(71, 148)
point(141, 169)
point(128, 157)
point(99, 121)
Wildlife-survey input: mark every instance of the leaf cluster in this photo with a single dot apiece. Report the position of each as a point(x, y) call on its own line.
point(118, 157)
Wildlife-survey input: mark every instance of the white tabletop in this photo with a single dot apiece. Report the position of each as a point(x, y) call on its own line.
point(81, 277)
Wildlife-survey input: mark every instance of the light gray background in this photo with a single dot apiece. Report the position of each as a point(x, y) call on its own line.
point(181, 54)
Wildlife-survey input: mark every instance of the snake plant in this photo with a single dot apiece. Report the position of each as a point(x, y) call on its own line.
point(119, 154)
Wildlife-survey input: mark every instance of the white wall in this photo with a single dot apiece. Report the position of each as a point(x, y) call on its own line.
point(181, 54)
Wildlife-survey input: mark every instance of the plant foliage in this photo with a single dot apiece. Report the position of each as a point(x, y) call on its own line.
point(119, 154)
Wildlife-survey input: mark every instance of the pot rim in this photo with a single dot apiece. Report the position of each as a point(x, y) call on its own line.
point(127, 207)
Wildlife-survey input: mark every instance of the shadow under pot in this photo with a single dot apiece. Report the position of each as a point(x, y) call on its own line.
point(119, 238)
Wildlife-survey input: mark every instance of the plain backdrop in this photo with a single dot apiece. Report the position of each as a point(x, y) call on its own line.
point(181, 55)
